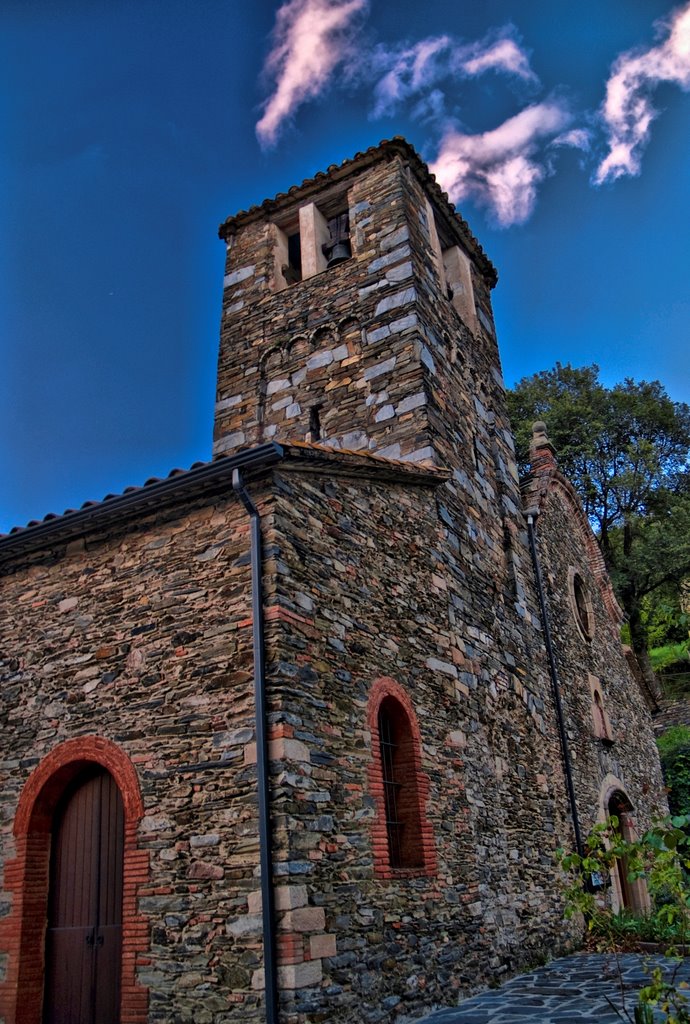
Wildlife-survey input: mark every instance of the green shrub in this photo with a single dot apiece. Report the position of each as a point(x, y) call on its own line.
point(662, 858)
point(676, 768)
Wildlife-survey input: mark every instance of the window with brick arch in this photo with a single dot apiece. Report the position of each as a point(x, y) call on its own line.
point(400, 789)
point(402, 837)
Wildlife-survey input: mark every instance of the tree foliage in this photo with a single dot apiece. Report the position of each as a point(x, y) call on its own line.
point(626, 449)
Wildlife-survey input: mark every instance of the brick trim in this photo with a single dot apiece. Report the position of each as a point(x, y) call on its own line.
point(22, 932)
point(381, 688)
point(535, 488)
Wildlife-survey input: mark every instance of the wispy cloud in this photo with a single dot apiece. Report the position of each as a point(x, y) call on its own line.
point(412, 70)
point(310, 40)
point(502, 168)
point(409, 71)
point(503, 54)
point(577, 138)
point(627, 111)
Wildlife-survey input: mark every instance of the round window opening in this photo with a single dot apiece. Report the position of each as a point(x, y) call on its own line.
point(583, 609)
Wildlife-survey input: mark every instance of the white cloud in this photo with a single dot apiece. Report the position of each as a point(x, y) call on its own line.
point(627, 111)
point(501, 169)
point(310, 40)
point(501, 55)
point(410, 70)
point(577, 138)
point(415, 69)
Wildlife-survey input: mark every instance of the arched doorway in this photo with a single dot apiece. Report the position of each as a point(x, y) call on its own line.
point(620, 807)
point(632, 896)
point(27, 881)
point(84, 936)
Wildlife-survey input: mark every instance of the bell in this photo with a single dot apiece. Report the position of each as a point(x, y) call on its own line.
point(340, 252)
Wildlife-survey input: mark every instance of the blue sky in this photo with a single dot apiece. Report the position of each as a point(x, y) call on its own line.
point(131, 129)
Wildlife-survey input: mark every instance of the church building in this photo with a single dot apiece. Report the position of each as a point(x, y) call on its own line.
point(292, 736)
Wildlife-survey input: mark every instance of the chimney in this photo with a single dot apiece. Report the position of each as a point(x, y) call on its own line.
point(541, 452)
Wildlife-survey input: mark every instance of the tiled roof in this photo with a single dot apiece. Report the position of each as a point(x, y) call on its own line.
point(201, 478)
point(335, 172)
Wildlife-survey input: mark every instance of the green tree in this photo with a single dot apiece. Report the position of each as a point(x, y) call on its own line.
point(674, 751)
point(626, 449)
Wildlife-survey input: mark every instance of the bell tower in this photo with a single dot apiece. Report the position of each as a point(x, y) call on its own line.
point(357, 314)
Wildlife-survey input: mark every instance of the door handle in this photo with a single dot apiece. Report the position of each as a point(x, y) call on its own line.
point(94, 939)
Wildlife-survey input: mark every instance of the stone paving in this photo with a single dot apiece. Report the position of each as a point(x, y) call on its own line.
point(570, 990)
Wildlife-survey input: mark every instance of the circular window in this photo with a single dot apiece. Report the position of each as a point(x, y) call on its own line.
point(582, 605)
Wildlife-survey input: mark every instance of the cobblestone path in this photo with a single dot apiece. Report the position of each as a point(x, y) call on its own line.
point(570, 990)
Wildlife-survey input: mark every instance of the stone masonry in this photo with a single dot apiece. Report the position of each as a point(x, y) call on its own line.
point(396, 568)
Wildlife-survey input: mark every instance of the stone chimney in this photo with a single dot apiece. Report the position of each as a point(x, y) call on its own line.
point(542, 455)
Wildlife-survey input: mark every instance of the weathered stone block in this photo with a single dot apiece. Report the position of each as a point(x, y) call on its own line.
point(304, 919)
point(322, 946)
point(304, 975)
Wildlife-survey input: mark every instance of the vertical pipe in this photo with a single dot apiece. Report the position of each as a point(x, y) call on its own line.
point(553, 671)
point(265, 848)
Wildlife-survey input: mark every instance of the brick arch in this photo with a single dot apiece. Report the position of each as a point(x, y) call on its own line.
point(27, 878)
point(382, 688)
point(539, 485)
point(610, 789)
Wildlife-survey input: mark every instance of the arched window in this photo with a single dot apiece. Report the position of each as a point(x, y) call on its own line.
point(581, 603)
point(601, 726)
point(403, 843)
point(399, 786)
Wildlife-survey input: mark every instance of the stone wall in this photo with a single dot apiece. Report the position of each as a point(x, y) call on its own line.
point(144, 638)
point(630, 762)
point(672, 712)
point(363, 589)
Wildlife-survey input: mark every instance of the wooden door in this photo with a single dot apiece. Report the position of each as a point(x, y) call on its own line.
point(84, 939)
point(618, 805)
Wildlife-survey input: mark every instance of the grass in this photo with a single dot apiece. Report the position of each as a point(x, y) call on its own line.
point(677, 737)
point(626, 928)
point(663, 657)
point(672, 663)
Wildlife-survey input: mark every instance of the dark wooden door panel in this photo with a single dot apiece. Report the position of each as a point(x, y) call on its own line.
point(108, 960)
point(112, 835)
point(84, 939)
point(70, 979)
point(74, 888)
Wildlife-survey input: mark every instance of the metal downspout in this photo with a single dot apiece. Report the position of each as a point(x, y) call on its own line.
point(265, 847)
point(553, 671)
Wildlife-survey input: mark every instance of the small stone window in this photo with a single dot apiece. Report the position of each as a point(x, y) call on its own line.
point(581, 603)
point(601, 725)
point(314, 432)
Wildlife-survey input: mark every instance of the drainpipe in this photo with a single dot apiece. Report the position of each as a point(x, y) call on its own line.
point(265, 849)
point(553, 671)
